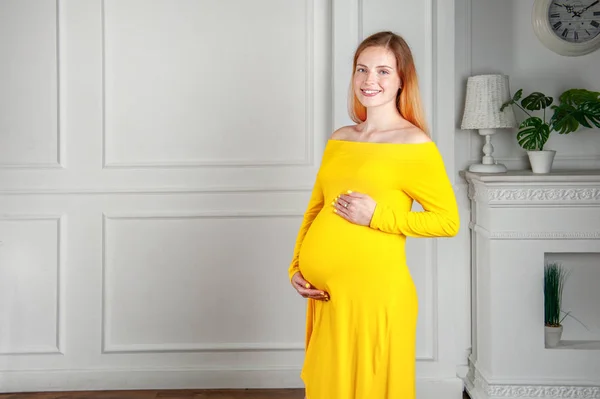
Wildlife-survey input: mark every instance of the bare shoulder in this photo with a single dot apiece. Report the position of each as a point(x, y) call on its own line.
point(413, 135)
point(345, 133)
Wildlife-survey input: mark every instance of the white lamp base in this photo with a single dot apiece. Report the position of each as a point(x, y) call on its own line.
point(481, 168)
point(488, 163)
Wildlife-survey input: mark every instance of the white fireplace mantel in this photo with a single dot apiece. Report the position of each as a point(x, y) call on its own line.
point(517, 220)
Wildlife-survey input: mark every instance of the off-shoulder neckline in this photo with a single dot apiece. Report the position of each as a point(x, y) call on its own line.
point(381, 143)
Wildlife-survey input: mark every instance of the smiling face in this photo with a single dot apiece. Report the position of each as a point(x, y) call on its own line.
point(376, 81)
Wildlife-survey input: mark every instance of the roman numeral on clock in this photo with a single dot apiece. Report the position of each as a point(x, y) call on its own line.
point(557, 25)
point(565, 32)
point(595, 24)
point(555, 15)
point(576, 35)
point(596, 13)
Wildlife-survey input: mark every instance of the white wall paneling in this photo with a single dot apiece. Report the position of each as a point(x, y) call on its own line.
point(213, 93)
point(347, 29)
point(148, 287)
point(30, 259)
point(29, 99)
point(277, 88)
point(194, 131)
point(214, 268)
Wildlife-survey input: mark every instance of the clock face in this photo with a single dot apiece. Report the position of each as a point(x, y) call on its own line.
point(575, 21)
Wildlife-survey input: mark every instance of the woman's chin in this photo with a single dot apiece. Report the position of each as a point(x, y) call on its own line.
point(370, 102)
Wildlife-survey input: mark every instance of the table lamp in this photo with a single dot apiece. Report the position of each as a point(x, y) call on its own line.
point(485, 96)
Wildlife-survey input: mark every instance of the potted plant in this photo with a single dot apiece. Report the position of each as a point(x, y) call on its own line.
point(577, 107)
point(554, 281)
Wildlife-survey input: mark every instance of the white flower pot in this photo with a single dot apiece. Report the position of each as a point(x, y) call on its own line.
point(541, 161)
point(552, 335)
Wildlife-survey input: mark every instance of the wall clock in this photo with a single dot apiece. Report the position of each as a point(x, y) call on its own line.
point(567, 27)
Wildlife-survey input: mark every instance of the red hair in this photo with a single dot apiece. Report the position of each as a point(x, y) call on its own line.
point(408, 100)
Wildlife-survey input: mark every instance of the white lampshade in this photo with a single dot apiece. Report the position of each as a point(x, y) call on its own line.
point(485, 96)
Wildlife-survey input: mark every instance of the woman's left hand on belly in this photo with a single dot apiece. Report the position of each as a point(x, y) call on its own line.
point(306, 289)
point(355, 207)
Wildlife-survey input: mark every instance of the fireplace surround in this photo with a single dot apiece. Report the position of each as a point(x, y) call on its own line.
point(518, 220)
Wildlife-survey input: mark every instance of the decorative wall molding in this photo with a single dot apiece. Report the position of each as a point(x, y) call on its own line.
point(522, 186)
point(430, 68)
point(534, 194)
point(200, 215)
point(151, 190)
point(481, 386)
point(309, 120)
point(430, 305)
point(559, 157)
point(468, 60)
point(109, 347)
point(543, 235)
point(347, 30)
point(528, 391)
point(58, 163)
point(430, 310)
point(58, 347)
point(535, 235)
point(209, 347)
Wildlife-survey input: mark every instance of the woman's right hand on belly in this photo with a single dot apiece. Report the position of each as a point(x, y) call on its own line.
point(305, 289)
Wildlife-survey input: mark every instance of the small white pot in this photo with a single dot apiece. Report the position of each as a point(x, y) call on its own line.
point(541, 161)
point(552, 335)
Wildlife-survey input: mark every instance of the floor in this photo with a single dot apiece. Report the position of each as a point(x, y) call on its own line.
point(168, 394)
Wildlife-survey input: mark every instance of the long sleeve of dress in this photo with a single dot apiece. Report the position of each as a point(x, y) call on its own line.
point(428, 184)
point(315, 204)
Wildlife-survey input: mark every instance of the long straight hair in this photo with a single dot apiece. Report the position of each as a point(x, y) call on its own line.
point(408, 99)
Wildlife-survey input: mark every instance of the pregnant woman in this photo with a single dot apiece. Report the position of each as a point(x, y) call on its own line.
point(349, 259)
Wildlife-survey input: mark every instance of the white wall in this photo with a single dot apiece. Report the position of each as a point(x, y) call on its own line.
point(150, 195)
point(498, 38)
point(155, 158)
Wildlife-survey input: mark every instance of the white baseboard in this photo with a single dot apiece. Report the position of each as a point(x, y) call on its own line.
point(439, 389)
point(83, 380)
point(181, 378)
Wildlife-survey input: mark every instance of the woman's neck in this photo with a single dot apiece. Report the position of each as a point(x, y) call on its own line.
point(383, 119)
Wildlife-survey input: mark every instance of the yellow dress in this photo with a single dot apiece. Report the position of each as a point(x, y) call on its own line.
point(361, 343)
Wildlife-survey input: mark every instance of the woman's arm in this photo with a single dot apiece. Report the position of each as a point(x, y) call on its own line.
point(315, 204)
point(428, 184)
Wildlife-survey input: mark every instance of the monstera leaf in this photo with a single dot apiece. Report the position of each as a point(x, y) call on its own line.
point(575, 97)
point(536, 101)
point(577, 107)
point(513, 100)
point(533, 134)
point(567, 117)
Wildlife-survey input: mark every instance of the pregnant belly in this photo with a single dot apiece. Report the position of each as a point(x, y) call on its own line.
point(335, 251)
